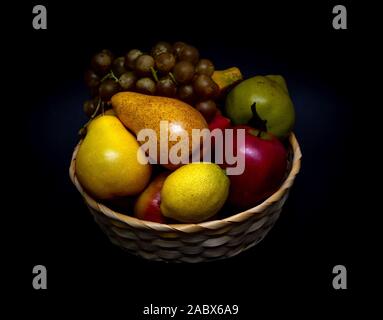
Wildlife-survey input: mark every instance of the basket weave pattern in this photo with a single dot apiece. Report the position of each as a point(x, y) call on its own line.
point(205, 241)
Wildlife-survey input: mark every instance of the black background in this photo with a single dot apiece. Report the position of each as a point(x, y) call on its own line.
point(292, 266)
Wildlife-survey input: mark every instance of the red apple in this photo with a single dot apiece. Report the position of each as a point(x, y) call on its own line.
point(147, 206)
point(265, 167)
point(219, 121)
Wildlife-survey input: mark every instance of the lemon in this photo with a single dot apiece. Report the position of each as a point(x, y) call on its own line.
point(194, 192)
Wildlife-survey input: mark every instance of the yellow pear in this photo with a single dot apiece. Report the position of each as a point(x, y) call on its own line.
point(107, 164)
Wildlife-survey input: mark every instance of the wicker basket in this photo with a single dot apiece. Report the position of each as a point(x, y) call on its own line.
point(192, 242)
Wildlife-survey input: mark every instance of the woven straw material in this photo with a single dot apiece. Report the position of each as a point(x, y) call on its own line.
point(204, 241)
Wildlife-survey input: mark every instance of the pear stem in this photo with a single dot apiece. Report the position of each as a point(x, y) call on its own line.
point(83, 128)
point(256, 121)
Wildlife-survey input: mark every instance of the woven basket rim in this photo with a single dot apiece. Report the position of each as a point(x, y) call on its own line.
point(192, 227)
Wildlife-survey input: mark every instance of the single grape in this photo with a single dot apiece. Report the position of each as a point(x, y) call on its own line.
point(143, 66)
point(101, 63)
point(109, 53)
point(160, 48)
point(89, 107)
point(146, 86)
point(205, 66)
point(165, 62)
point(91, 79)
point(166, 87)
point(131, 57)
point(178, 47)
point(205, 87)
point(189, 53)
point(207, 108)
point(94, 91)
point(108, 88)
point(118, 67)
point(186, 93)
point(127, 80)
point(183, 72)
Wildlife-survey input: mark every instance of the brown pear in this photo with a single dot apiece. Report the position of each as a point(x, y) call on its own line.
point(138, 111)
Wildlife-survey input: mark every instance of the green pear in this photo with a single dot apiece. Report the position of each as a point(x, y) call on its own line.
point(278, 79)
point(270, 100)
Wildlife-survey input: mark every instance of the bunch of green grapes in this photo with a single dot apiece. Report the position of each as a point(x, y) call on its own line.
point(174, 71)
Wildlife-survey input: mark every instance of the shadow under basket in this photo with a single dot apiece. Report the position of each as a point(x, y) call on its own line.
point(200, 242)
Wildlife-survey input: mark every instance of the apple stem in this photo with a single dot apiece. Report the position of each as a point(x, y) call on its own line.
point(256, 121)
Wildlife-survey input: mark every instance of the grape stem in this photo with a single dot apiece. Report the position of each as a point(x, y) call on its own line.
point(113, 76)
point(154, 73)
point(172, 76)
point(105, 77)
point(96, 111)
point(110, 75)
point(93, 115)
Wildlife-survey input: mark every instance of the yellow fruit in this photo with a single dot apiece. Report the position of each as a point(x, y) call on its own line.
point(110, 112)
point(106, 162)
point(194, 192)
point(226, 79)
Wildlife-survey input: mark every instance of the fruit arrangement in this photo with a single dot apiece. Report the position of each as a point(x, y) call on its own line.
point(174, 71)
point(135, 95)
